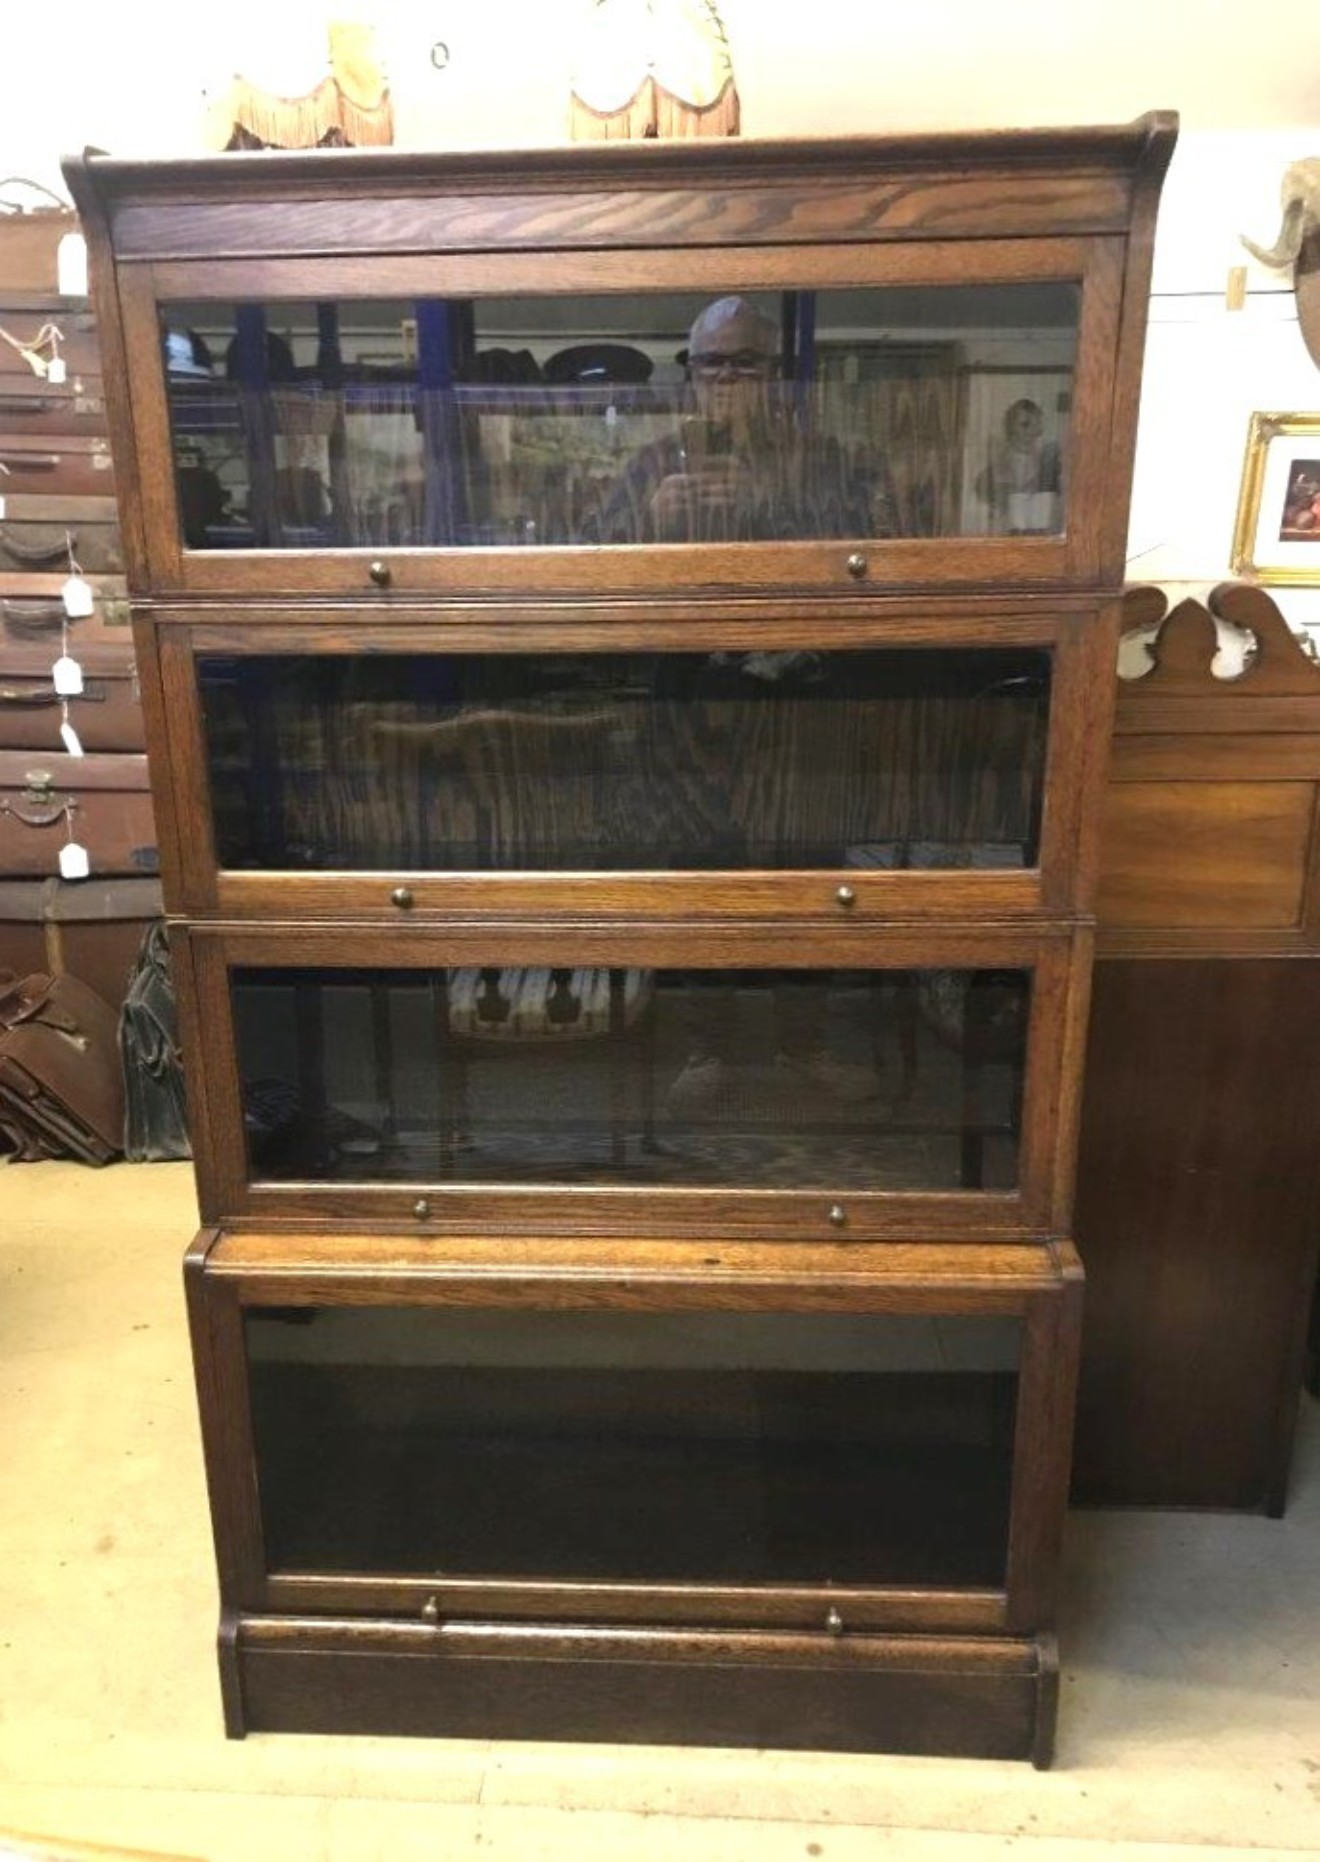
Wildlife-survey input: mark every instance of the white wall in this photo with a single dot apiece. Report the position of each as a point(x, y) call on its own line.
point(1208, 367)
point(130, 77)
point(127, 74)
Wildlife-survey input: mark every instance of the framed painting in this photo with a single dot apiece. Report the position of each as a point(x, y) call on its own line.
point(1276, 538)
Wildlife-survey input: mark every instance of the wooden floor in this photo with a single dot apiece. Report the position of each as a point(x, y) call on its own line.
point(1191, 1647)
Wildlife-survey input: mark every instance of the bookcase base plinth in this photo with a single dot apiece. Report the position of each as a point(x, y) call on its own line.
point(952, 1696)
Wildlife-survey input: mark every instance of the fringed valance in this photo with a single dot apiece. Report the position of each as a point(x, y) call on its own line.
point(653, 68)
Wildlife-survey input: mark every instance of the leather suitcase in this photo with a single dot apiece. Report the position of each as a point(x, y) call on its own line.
point(107, 714)
point(24, 314)
point(89, 928)
point(75, 467)
point(110, 799)
point(36, 531)
point(47, 411)
point(61, 1081)
point(29, 248)
point(32, 615)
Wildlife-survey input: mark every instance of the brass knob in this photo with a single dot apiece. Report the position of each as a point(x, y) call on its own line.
point(380, 574)
point(421, 1209)
point(846, 896)
point(39, 782)
point(431, 1611)
point(833, 1623)
point(856, 565)
point(402, 897)
point(838, 1216)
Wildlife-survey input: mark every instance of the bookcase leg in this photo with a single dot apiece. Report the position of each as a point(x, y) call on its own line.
point(1047, 1703)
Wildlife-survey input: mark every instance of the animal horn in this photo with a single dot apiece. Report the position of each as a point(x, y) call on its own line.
point(1301, 198)
point(1289, 243)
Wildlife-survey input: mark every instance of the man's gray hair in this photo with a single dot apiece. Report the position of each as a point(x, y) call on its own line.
point(761, 330)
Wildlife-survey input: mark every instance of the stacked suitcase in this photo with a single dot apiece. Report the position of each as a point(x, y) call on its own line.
point(73, 772)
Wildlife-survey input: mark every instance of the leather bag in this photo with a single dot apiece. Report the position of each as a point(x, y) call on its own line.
point(155, 1122)
point(61, 1088)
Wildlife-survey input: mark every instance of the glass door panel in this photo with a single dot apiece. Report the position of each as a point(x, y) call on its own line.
point(645, 417)
point(868, 1080)
point(731, 1448)
point(895, 759)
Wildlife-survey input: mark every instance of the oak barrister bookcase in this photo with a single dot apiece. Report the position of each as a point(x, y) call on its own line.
point(633, 971)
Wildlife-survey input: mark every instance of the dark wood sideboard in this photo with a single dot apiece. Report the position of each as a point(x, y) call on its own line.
point(1196, 1189)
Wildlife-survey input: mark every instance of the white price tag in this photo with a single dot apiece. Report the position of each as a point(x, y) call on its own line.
point(56, 372)
point(70, 739)
point(71, 266)
point(2, 508)
point(67, 674)
point(74, 863)
point(79, 598)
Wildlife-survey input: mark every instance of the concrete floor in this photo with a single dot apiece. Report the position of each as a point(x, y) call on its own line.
point(1191, 1645)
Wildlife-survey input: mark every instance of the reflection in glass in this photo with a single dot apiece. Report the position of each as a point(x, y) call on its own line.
point(870, 1080)
point(728, 1448)
point(642, 761)
point(650, 417)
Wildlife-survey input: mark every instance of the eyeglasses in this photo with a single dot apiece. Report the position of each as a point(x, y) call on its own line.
point(735, 362)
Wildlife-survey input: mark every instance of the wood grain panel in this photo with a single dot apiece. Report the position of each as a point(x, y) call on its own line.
point(1194, 1211)
point(953, 1612)
point(1205, 854)
point(700, 620)
point(1042, 1448)
point(773, 945)
point(219, 1368)
point(981, 1698)
point(288, 1269)
point(1196, 1218)
point(1224, 755)
point(1004, 153)
point(880, 898)
point(928, 207)
point(494, 271)
point(968, 1219)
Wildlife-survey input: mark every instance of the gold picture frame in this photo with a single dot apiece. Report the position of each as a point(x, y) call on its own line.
point(1276, 538)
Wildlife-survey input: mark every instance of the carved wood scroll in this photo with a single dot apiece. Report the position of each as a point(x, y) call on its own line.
point(1209, 841)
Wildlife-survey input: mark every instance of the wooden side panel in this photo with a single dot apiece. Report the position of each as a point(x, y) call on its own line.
point(219, 1367)
point(1205, 853)
point(1196, 1221)
point(1195, 1208)
point(1042, 1447)
point(1209, 836)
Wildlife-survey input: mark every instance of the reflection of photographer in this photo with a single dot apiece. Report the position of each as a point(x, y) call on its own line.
point(741, 465)
point(732, 359)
